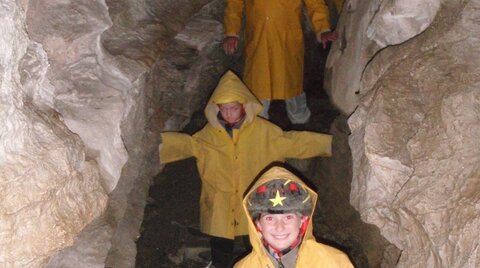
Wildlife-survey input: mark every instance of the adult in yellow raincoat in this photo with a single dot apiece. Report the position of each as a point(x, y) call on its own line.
point(280, 205)
point(229, 158)
point(274, 50)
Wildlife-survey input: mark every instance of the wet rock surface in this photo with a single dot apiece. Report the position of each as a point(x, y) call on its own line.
point(415, 139)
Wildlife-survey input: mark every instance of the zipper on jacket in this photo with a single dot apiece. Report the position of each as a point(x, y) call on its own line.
point(280, 264)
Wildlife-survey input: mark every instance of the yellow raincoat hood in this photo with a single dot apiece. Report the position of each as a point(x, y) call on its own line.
point(310, 254)
point(230, 89)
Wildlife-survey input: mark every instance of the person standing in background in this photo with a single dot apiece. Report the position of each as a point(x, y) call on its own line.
point(274, 49)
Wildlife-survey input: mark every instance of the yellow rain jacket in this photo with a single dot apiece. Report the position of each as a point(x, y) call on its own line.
point(227, 165)
point(274, 42)
point(311, 254)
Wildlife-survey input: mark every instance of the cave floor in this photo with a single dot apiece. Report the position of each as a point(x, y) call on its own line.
point(170, 234)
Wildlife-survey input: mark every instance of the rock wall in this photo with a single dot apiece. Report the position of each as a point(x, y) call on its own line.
point(50, 188)
point(82, 106)
point(415, 96)
point(338, 223)
point(366, 27)
point(175, 87)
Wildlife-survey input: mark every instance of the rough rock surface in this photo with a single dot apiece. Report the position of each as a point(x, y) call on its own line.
point(366, 27)
point(175, 88)
point(49, 189)
point(78, 103)
point(337, 222)
point(415, 133)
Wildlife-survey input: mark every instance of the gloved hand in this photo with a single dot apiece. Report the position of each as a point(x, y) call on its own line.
point(230, 44)
point(325, 37)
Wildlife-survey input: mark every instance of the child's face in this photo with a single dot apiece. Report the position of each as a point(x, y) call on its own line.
point(280, 230)
point(232, 112)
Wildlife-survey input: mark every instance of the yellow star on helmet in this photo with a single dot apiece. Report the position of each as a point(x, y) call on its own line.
point(277, 200)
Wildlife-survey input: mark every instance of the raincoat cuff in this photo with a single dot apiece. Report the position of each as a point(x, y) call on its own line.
point(328, 149)
point(319, 34)
point(160, 146)
point(322, 31)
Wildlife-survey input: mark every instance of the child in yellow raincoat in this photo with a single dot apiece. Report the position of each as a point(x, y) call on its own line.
point(280, 207)
point(232, 148)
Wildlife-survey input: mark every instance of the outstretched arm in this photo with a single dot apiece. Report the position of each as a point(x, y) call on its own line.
point(306, 144)
point(176, 146)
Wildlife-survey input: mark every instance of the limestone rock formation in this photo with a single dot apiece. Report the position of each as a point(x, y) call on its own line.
point(50, 190)
point(88, 89)
point(365, 27)
point(336, 220)
point(415, 132)
point(176, 86)
point(85, 98)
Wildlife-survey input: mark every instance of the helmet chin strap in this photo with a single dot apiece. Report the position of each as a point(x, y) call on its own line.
point(281, 252)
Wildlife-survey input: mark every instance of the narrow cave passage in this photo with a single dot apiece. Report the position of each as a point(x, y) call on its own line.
point(170, 234)
point(87, 87)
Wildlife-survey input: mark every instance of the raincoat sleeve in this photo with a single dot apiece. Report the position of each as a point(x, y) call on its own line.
point(319, 15)
point(176, 146)
point(306, 144)
point(233, 17)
